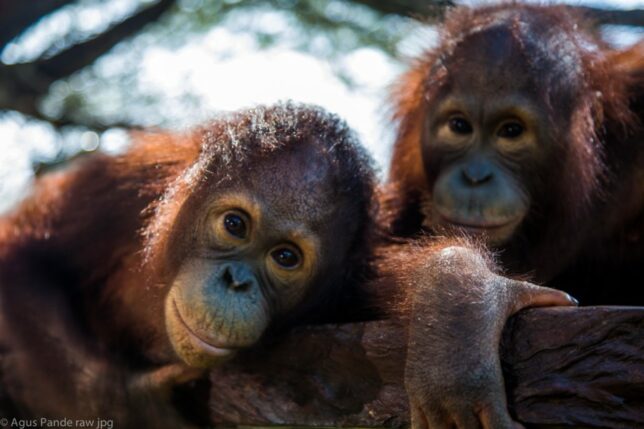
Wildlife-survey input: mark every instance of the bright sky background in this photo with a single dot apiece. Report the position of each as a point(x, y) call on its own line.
point(243, 75)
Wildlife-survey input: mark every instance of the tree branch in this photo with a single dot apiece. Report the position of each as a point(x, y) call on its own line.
point(423, 9)
point(80, 55)
point(563, 367)
point(22, 85)
point(419, 9)
point(16, 16)
point(632, 18)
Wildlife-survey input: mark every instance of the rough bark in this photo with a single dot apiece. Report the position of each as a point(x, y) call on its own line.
point(563, 367)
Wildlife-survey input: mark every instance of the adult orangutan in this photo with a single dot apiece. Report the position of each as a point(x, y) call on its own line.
point(121, 276)
point(521, 129)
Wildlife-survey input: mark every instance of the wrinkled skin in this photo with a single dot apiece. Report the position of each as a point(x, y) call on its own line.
point(459, 307)
point(252, 256)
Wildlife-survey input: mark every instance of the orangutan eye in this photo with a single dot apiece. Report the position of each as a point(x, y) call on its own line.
point(459, 125)
point(510, 130)
point(235, 225)
point(286, 257)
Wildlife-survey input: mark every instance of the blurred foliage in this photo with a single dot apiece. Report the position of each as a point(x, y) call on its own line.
point(322, 28)
point(327, 30)
point(150, 79)
point(115, 90)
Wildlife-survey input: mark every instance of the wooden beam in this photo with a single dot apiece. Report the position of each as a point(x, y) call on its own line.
point(563, 367)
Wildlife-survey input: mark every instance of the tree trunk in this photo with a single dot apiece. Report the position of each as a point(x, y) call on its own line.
point(563, 368)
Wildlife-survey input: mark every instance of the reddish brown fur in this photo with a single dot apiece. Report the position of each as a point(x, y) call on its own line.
point(84, 261)
point(591, 194)
point(401, 267)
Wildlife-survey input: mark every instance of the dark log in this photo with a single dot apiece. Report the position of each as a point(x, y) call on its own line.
point(563, 368)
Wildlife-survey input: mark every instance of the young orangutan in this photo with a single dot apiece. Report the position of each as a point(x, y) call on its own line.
point(522, 129)
point(121, 277)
